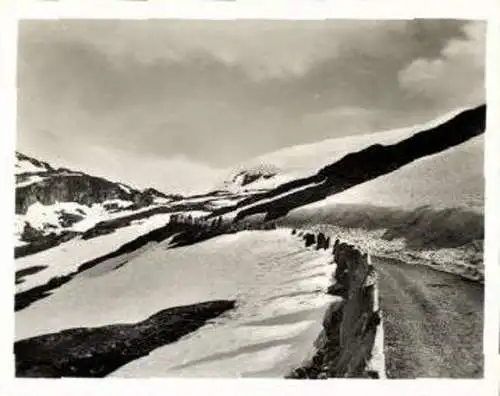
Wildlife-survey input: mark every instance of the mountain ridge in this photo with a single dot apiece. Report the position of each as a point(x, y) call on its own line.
point(361, 166)
point(54, 205)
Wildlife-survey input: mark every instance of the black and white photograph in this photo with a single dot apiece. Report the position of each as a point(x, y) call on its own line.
point(250, 198)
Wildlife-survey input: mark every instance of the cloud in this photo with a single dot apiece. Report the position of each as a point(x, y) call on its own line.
point(264, 49)
point(204, 95)
point(348, 119)
point(456, 76)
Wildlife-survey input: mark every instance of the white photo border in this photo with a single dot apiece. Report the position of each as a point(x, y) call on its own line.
point(14, 10)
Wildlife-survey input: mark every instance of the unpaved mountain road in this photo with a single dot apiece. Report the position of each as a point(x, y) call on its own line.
point(433, 322)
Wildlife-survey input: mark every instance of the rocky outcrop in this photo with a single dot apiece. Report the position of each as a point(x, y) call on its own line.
point(249, 175)
point(22, 273)
point(154, 193)
point(309, 239)
point(43, 243)
point(98, 351)
point(41, 165)
point(31, 234)
point(322, 241)
point(82, 189)
point(63, 185)
point(347, 346)
point(247, 178)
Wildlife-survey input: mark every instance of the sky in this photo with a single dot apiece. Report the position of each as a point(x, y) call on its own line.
point(174, 104)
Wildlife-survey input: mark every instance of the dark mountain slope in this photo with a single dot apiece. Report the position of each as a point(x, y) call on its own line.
point(98, 351)
point(362, 166)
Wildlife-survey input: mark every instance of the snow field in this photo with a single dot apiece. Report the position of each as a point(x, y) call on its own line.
point(67, 257)
point(278, 285)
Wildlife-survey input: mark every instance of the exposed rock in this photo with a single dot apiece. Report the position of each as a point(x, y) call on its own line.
point(63, 185)
point(60, 192)
point(350, 324)
point(43, 242)
point(309, 239)
point(21, 274)
point(322, 241)
point(96, 352)
point(250, 175)
point(68, 219)
point(85, 190)
point(30, 234)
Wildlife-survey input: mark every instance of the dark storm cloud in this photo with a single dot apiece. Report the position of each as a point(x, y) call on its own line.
point(213, 93)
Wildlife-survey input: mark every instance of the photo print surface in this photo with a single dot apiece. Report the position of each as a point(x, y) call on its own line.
point(250, 198)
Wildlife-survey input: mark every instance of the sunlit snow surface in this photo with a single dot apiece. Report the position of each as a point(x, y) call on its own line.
point(278, 285)
point(450, 178)
point(66, 257)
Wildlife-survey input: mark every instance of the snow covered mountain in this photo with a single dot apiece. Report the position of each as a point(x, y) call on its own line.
point(60, 203)
point(272, 169)
point(349, 162)
point(253, 176)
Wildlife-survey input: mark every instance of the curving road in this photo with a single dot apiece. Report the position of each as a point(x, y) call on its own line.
point(433, 322)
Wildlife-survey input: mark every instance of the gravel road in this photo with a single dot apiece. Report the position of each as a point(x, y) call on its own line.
point(433, 322)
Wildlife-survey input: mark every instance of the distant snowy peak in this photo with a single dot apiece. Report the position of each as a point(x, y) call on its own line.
point(252, 177)
point(244, 178)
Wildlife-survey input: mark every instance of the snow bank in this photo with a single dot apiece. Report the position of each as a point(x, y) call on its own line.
point(162, 200)
point(419, 213)
point(465, 261)
point(67, 257)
